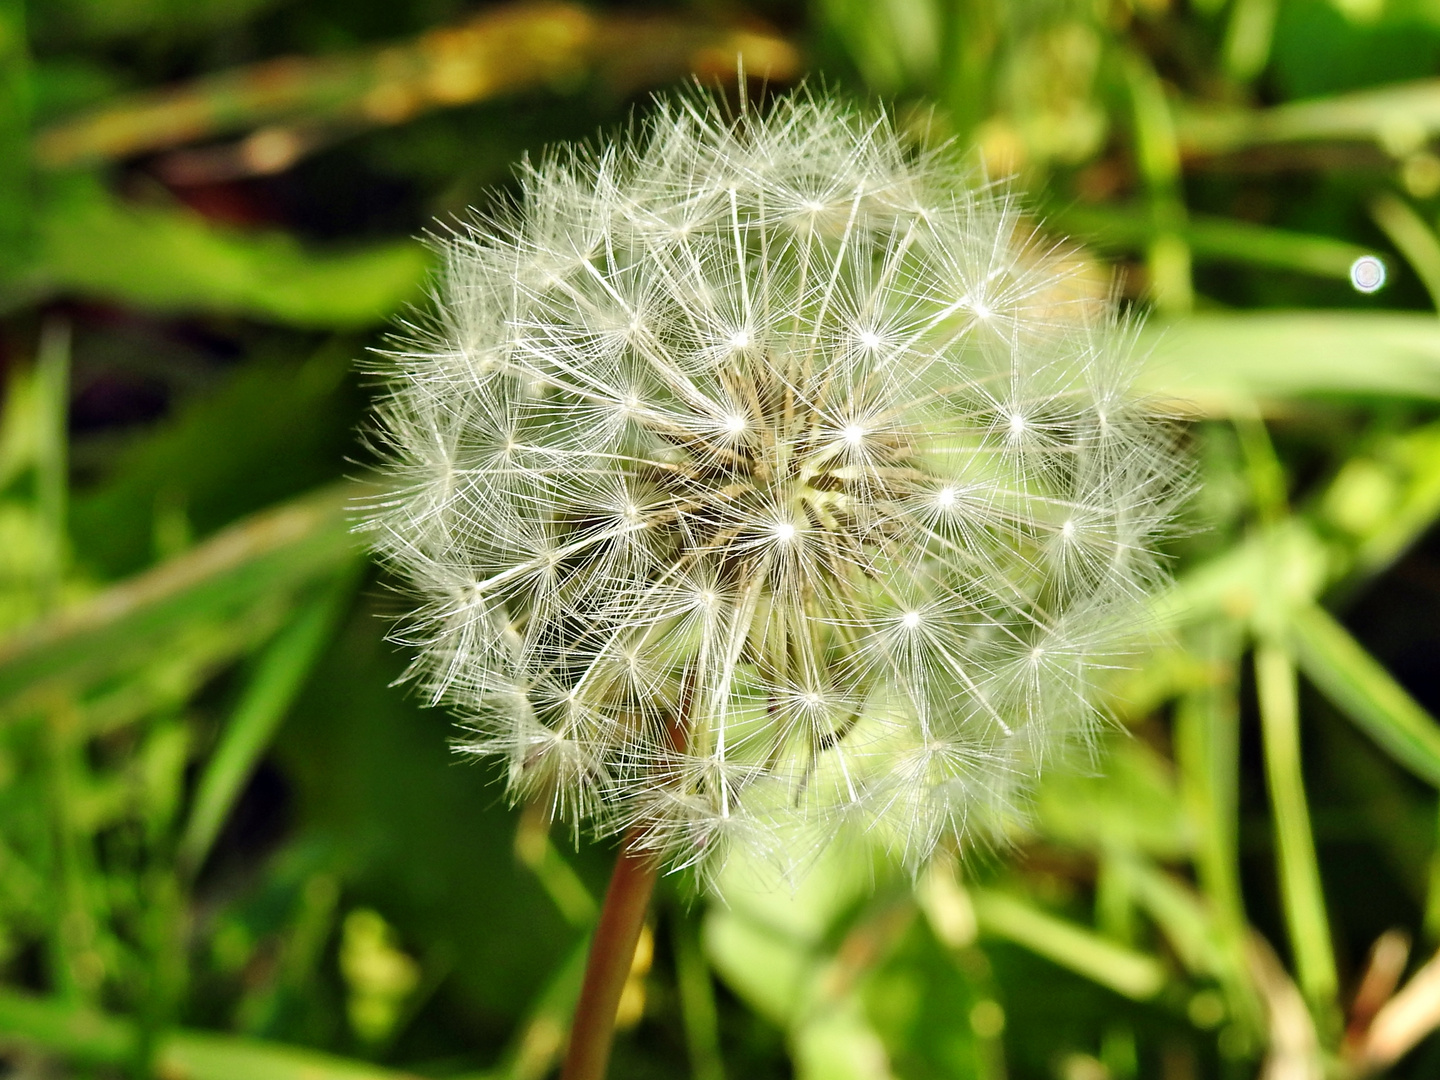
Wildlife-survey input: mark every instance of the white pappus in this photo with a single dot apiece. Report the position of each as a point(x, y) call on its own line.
point(764, 475)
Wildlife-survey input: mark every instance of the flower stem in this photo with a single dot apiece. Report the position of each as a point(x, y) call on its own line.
point(612, 951)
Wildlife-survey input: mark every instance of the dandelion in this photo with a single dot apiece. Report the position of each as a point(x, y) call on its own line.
point(762, 477)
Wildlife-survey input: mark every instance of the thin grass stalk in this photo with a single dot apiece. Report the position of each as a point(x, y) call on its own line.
point(1303, 897)
point(1207, 750)
point(697, 1002)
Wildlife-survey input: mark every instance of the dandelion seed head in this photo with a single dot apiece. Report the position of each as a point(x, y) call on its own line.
point(747, 531)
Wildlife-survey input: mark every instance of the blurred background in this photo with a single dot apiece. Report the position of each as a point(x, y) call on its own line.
point(231, 850)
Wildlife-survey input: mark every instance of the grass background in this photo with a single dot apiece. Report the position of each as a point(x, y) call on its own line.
point(229, 849)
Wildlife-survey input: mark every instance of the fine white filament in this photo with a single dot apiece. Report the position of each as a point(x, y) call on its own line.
point(760, 480)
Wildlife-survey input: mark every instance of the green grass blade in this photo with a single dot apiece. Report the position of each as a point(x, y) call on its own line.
point(1362, 689)
point(1387, 499)
point(1415, 239)
point(1364, 115)
point(1211, 362)
point(541, 1038)
point(52, 386)
point(267, 698)
point(1158, 157)
point(535, 849)
point(88, 1036)
point(1180, 914)
point(1216, 239)
point(697, 1000)
point(1124, 970)
point(277, 550)
point(1248, 36)
point(15, 107)
point(1207, 751)
point(203, 1056)
point(1302, 895)
point(79, 1033)
point(1431, 921)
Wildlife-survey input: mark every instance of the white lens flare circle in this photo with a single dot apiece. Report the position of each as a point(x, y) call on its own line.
point(1367, 274)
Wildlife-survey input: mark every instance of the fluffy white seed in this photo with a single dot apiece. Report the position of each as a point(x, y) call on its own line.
point(760, 481)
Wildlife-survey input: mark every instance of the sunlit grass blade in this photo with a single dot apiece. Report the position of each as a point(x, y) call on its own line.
point(503, 50)
point(1415, 239)
point(269, 553)
point(557, 877)
point(1207, 753)
point(1216, 239)
point(1302, 895)
point(1248, 35)
point(1286, 565)
point(1387, 499)
point(86, 1036)
point(541, 1037)
point(267, 697)
point(1126, 971)
point(1361, 688)
point(52, 468)
point(1212, 362)
point(16, 100)
point(1269, 486)
point(78, 945)
point(1158, 156)
point(697, 1000)
point(1363, 115)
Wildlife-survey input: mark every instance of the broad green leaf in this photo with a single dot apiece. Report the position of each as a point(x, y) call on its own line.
point(1360, 687)
point(169, 259)
point(273, 430)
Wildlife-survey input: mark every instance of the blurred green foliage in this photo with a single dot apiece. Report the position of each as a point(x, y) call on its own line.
point(231, 849)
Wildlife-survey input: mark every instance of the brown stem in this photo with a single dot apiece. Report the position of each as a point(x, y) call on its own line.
point(612, 951)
